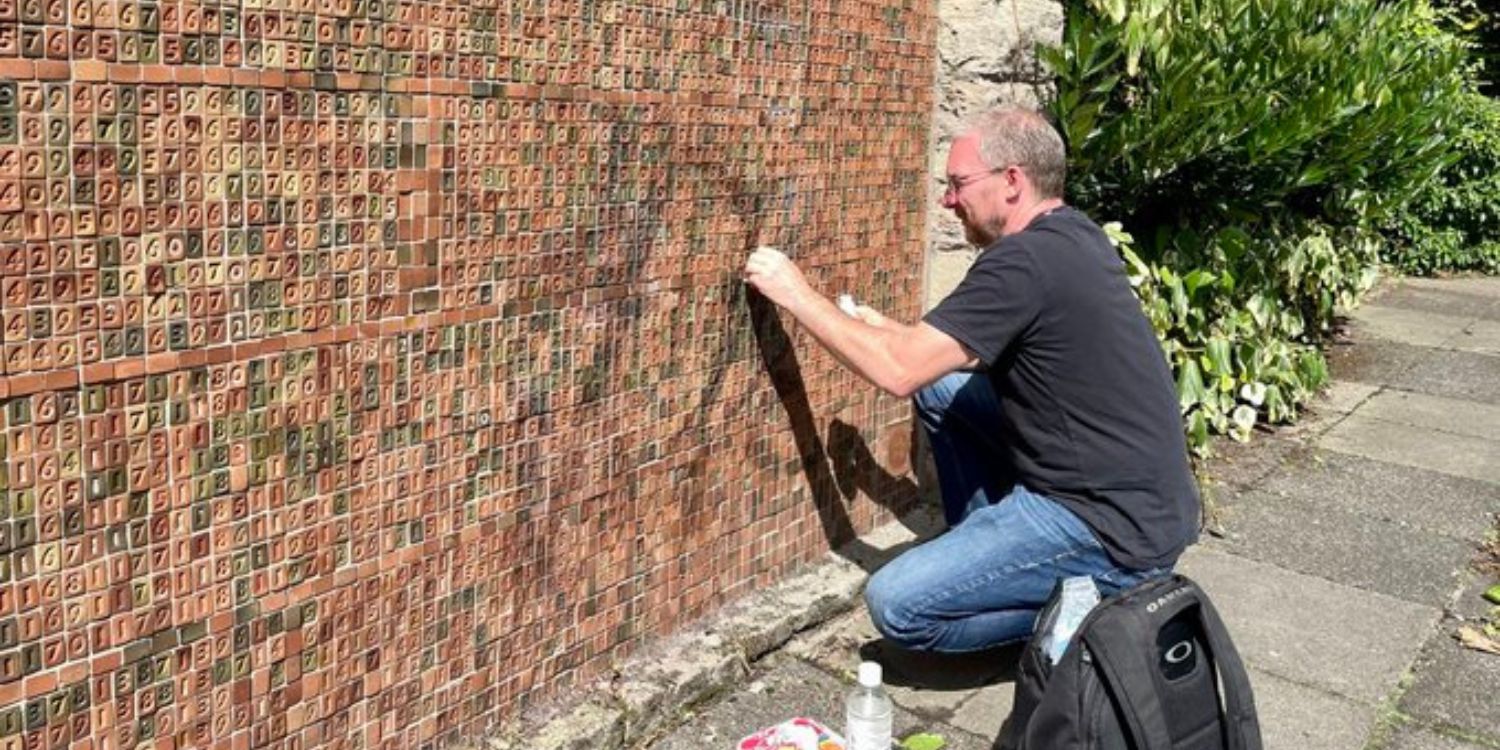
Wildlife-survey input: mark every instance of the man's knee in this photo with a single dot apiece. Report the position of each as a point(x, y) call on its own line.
point(895, 615)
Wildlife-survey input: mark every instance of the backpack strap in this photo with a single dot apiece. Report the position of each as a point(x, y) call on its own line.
point(1241, 724)
point(1116, 648)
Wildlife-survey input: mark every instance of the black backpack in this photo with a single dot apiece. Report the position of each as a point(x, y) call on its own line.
point(1150, 668)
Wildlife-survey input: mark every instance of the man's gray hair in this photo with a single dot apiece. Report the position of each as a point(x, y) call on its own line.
point(1012, 134)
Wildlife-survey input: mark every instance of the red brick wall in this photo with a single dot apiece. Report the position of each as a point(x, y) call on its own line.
point(372, 370)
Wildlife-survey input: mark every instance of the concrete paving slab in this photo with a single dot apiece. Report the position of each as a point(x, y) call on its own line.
point(984, 711)
point(1454, 506)
point(1323, 411)
point(1373, 362)
point(1418, 738)
point(1454, 374)
point(1454, 415)
point(1483, 286)
point(1298, 717)
point(1309, 630)
point(1443, 299)
point(1239, 465)
point(1455, 687)
point(1423, 448)
point(1481, 336)
point(944, 706)
point(1406, 326)
point(1321, 539)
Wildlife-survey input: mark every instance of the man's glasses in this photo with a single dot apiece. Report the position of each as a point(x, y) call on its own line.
point(960, 182)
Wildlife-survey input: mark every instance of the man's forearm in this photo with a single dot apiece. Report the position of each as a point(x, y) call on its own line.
point(870, 351)
point(896, 358)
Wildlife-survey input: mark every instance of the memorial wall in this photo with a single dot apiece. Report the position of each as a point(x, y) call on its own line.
point(370, 371)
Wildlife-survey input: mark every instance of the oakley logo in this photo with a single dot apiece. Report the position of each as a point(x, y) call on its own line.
point(1179, 653)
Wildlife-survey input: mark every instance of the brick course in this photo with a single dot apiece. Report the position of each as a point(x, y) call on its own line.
point(370, 371)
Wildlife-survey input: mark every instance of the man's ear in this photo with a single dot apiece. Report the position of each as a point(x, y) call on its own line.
point(1015, 182)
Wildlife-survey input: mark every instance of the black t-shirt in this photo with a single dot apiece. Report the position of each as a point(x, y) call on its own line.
point(1089, 411)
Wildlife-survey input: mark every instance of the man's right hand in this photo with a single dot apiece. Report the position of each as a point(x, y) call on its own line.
point(776, 276)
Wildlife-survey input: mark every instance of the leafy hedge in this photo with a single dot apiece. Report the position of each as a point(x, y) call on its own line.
point(1455, 224)
point(1227, 111)
point(1251, 146)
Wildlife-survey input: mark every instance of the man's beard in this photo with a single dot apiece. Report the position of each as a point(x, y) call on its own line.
point(975, 234)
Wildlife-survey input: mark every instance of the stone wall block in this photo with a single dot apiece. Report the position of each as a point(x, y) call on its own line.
point(986, 57)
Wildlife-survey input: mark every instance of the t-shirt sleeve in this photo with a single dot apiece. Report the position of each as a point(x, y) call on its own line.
point(997, 300)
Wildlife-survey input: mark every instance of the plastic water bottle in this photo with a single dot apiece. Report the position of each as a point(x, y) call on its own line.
point(1079, 595)
point(867, 713)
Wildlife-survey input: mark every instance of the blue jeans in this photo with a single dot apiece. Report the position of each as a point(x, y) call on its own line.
point(982, 582)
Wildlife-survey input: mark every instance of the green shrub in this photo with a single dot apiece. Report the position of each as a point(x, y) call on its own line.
point(1454, 224)
point(1215, 112)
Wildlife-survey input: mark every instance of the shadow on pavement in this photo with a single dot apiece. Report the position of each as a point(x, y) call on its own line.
point(929, 671)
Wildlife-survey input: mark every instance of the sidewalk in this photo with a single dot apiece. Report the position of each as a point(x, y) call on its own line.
point(1341, 562)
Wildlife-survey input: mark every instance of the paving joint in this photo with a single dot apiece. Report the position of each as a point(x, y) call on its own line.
point(1390, 717)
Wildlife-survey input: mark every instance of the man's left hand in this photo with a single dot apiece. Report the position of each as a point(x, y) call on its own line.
point(776, 276)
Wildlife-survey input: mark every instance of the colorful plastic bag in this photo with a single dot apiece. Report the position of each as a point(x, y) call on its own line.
point(799, 733)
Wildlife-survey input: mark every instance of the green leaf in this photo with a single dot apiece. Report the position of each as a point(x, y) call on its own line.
point(1179, 295)
point(1190, 388)
point(1276, 406)
point(1313, 369)
point(1197, 279)
point(1261, 309)
point(1313, 175)
point(1493, 593)
point(924, 741)
point(1197, 430)
point(1218, 357)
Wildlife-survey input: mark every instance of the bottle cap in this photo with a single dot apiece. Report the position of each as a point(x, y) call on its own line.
point(869, 674)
